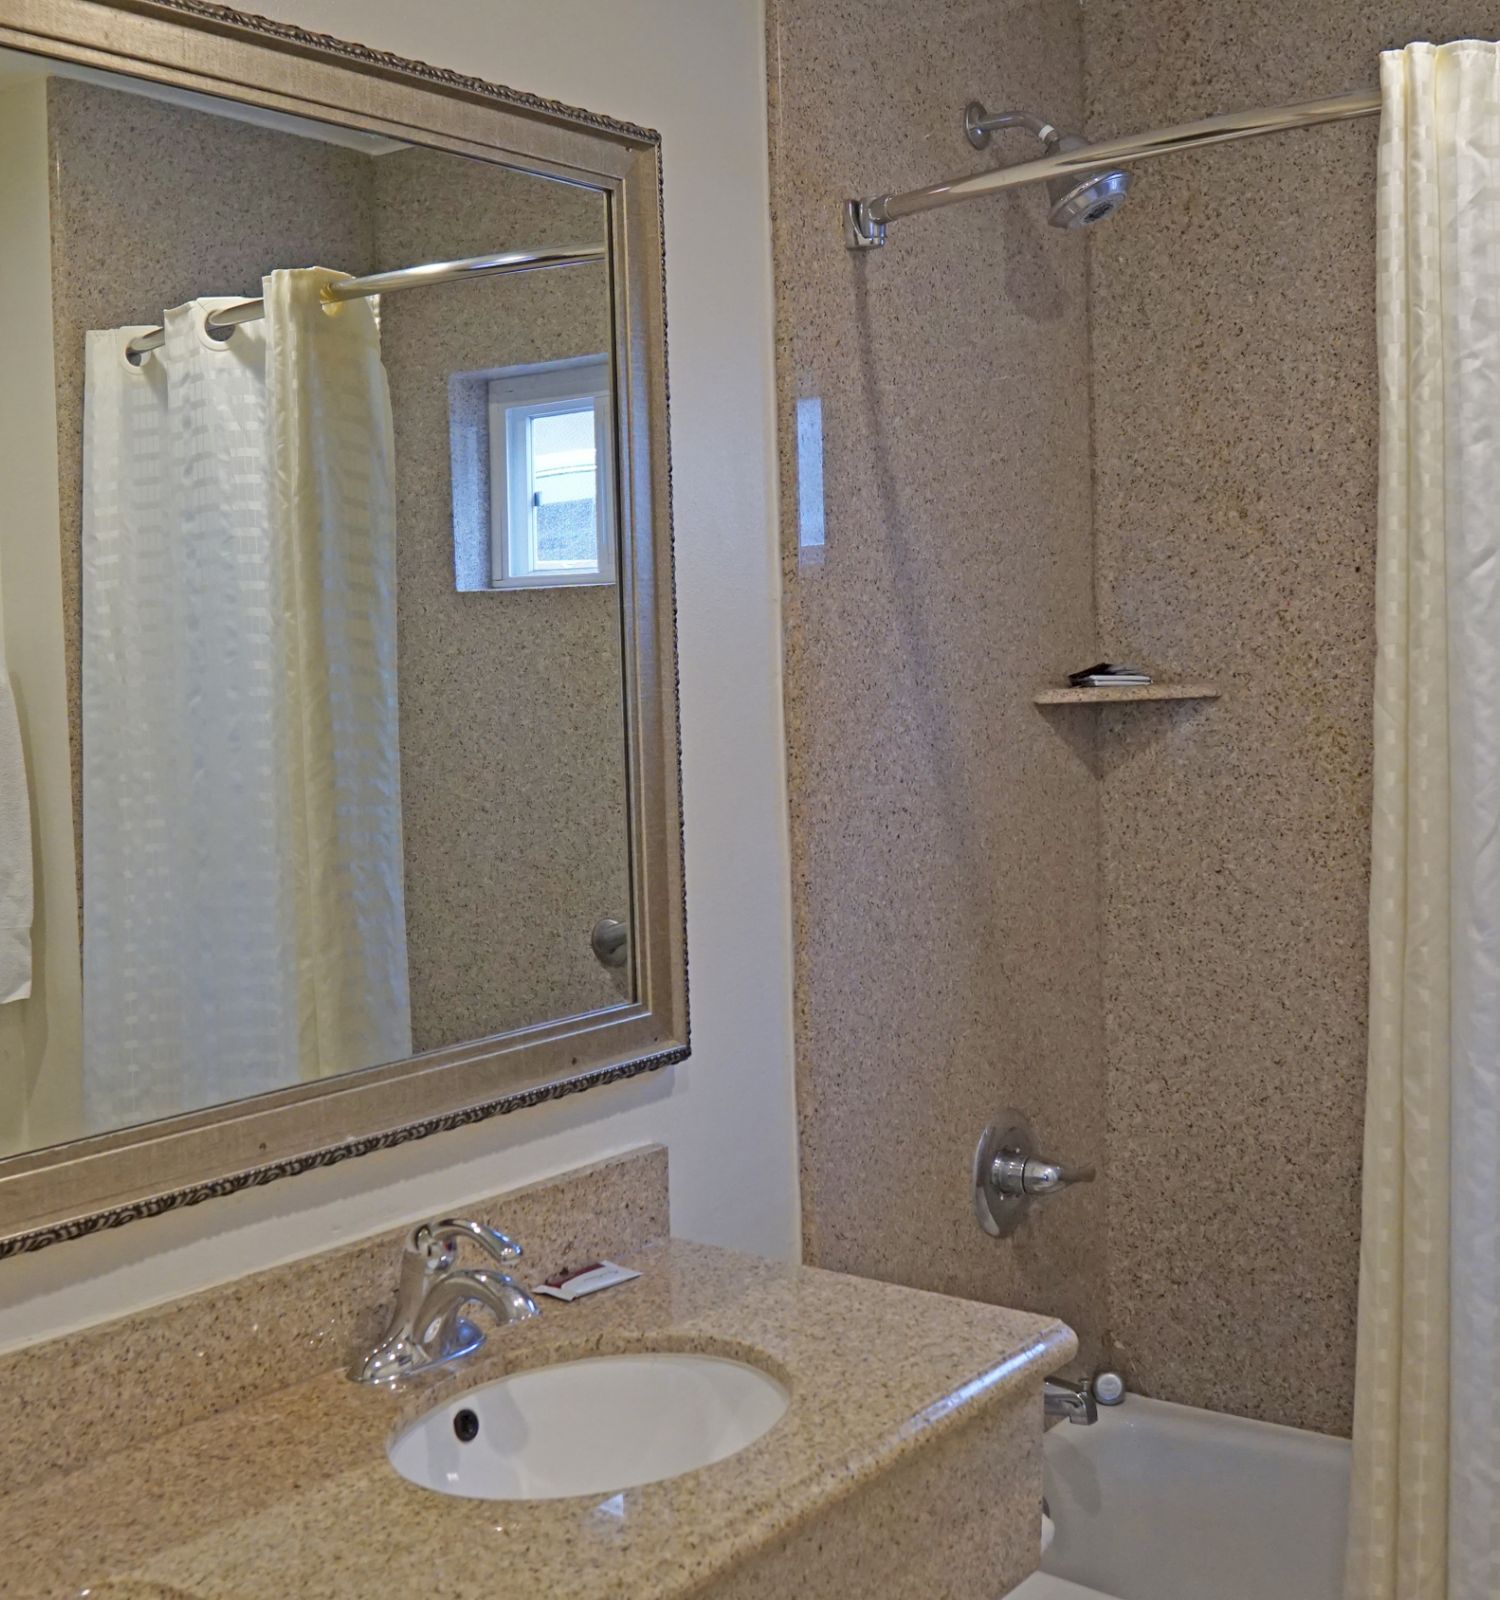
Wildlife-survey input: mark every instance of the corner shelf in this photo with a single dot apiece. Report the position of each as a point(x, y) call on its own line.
point(1126, 694)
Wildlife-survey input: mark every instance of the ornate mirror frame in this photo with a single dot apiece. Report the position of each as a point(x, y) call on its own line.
point(108, 1179)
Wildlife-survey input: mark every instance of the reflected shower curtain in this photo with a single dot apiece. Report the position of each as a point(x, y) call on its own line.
point(1425, 1517)
point(243, 919)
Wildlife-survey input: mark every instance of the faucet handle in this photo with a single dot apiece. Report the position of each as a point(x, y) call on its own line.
point(437, 1242)
point(1047, 1177)
point(430, 1295)
point(1008, 1174)
point(1018, 1175)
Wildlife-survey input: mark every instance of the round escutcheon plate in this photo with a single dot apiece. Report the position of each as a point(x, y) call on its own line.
point(1008, 1135)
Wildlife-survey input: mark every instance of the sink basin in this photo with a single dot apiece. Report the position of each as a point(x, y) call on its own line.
point(589, 1427)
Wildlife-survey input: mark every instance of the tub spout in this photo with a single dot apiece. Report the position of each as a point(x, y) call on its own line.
point(1061, 1397)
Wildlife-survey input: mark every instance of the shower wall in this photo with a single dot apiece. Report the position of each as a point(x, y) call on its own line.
point(968, 868)
point(1234, 400)
point(512, 728)
point(935, 520)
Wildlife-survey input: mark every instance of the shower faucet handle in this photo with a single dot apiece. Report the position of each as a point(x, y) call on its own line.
point(1009, 1176)
point(1036, 1176)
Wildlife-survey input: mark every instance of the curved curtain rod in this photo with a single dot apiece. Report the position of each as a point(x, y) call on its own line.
point(429, 272)
point(865, 220)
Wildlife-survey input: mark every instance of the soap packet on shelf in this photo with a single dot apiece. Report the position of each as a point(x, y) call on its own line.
point(585, 1280)
point(1109, 674)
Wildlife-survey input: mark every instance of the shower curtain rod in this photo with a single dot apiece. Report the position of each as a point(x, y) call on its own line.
point(401, 278)
point(865, 220)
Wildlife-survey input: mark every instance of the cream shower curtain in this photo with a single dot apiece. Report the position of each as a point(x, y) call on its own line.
point(244, 924)
point(1425, 1517)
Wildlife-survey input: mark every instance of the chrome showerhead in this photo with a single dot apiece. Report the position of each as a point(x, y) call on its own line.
point(1079, 200)
point(1075, 200)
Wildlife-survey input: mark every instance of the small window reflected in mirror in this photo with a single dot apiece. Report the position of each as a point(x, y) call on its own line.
point(541, 466)
point(549, 490)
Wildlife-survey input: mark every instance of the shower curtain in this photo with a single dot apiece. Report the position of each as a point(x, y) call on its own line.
point(1425, 1517)
point(243, 913)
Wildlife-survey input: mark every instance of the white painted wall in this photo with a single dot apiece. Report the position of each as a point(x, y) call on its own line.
point(695, 69)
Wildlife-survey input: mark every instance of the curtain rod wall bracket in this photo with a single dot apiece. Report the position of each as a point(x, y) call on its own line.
point(861, 231)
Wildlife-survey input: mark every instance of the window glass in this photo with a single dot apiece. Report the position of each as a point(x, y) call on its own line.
point(564, 490)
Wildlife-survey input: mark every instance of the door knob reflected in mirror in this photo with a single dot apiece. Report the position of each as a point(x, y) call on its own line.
point(1009, 1175)
point(610, 942)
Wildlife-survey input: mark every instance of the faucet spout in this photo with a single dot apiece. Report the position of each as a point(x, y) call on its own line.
point(442, 1329)
point(1061, 1397)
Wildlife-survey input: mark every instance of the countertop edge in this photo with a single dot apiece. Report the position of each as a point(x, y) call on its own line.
point(1053, 1347)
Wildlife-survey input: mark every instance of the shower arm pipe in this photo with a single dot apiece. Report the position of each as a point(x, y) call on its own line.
point(430, 272)
point(865, 220)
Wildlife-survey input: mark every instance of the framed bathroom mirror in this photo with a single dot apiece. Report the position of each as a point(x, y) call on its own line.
point(339, 796)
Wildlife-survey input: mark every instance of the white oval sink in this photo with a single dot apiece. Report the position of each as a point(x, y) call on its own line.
point(589, 1427)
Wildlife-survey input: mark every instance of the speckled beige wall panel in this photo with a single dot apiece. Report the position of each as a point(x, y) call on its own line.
point(154, 205)
point(1235, 437)
point(512, 725)
point(944, 831)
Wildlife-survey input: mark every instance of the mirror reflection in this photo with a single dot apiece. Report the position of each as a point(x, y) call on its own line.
point(313, 755)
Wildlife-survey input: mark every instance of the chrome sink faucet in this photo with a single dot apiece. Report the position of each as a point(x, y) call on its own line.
point(426, 1328)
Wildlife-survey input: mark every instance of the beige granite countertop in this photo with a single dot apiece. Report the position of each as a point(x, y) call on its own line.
point(290, 1494)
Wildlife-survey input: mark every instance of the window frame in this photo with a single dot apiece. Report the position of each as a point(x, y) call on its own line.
point(513, 397)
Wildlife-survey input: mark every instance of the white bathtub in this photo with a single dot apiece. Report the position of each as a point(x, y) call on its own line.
point(1161, 1502)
